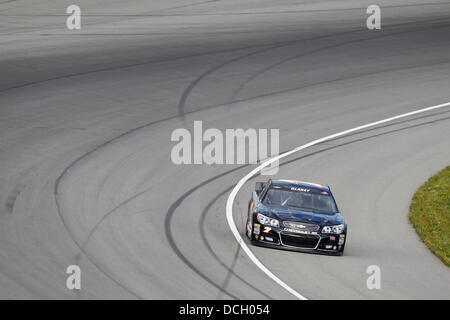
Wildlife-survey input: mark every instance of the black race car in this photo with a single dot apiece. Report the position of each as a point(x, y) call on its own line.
point(296, 215)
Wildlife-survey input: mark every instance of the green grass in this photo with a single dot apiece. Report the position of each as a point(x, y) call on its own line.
point(430, 214)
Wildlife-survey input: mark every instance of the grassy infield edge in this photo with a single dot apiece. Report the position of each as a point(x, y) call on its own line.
point(429, 213)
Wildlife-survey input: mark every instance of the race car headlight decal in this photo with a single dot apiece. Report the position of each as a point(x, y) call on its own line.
point(333, 229)
point(267, 221)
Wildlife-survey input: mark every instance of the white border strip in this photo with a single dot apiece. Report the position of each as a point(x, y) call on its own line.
point(232, 196)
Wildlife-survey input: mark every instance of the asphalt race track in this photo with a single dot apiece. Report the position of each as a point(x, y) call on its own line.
point(86, 119)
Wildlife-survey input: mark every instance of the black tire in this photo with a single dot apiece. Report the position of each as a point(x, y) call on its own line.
point(343, 247)
point(247, 232)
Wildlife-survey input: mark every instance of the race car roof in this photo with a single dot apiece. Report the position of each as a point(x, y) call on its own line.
point(298, 183)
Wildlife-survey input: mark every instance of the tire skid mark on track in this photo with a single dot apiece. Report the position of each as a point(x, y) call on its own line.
point(56, 192)
point(12, 198)
point(230, 270)
point(191, 86)
point(230, 273)
point(114, 68)
point(178, 202)
point(8, 1)
point(107, 215)
point(248, 12)
point(82, 246)
point(172, 243)
point(194, 55)
point(57, 182)
point(352, 77)
point(186, 5)
point(297, 56)
point(85, 253)
point(256, 171)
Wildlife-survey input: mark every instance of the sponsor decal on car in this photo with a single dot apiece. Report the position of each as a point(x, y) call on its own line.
point(299, 231)
point(256, 228)
point(294, 225)
point(267, 229)
point(341, 239)
point(332, 238)
point(300, 189)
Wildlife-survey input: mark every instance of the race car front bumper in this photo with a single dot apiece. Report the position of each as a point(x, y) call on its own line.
point(298, 241)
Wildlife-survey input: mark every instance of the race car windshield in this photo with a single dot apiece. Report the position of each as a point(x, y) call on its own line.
point(301, 200)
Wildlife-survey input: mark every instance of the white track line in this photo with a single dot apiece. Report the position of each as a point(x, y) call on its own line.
point(232, 196)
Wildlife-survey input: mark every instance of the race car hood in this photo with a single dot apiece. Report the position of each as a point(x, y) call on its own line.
point(293, 214)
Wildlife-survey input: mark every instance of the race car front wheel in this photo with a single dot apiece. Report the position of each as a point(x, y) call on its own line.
point(249, 230)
